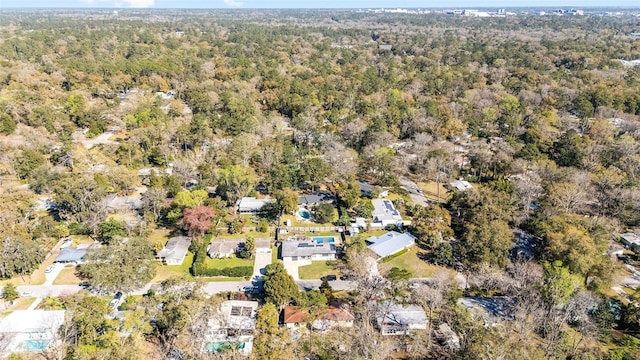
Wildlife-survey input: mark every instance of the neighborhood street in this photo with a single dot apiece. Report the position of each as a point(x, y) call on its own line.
point(414, 192)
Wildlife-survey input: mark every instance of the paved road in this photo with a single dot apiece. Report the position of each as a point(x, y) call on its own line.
point(414, 192)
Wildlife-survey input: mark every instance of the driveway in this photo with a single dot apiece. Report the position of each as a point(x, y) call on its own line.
point(292, 269)
point(57, 268)
point(262, 259)
point(414, 192)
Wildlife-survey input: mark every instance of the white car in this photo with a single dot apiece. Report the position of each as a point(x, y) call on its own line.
point(49, 269)
point(25, 294)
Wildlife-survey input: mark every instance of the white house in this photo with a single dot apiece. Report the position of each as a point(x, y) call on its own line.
point(219, 249)
point(29, 330)
point(251, 205)
point(384, 213)
point(396, 319)
point(461, 185)
point(390, 243)
point(174, 250)
point(233, 324)
point(307, 250)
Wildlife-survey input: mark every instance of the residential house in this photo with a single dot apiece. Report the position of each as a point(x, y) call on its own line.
point(337, 315)
point(251, 205)
point(174, 250)
point(316, 198)
point(367, 189)
point(385, 214)
point(70, 255)
point(461, 185)
point(219, 249)
point(631, 240)
point(233, 325)
point(263, 245)
point(29, 330)
point(307, 250)
point(390, 243)
point(385, 47)
point(398, 319)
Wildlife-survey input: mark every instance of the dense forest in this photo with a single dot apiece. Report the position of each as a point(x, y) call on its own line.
point(194, 110)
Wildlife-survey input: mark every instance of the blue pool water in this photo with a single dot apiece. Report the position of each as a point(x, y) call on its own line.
point(305, 214)
point(33, 345)
point(327, 239)
point(223, 346)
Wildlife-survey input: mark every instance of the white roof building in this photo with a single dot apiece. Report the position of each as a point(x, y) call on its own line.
point(29, 330)
point(384, 213)
point(251, 205)
point(461, 185)
point(390, 243)
point(396, 319)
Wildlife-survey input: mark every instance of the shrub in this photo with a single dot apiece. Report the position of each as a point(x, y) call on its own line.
point(391, 257)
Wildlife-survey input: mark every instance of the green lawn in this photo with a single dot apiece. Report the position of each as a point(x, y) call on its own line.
point(274, 253)
point(410, 261)
point(67, 277)
point(164, 272)
point(227, 263)
point(317, 269)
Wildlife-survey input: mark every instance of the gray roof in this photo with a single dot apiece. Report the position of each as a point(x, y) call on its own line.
point(249, 204)
point(631, 238)
point(306, 248)
point(224, 246)
point(384, 210)
point(68, 255)
point(175, 249)
point(316, 198)
point(393, 314)
point(390, 243)
point(365, 187)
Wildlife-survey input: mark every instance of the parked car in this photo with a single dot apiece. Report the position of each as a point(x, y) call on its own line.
point(330, 278)
point(249, 289)
point(49, 269)
point(25, 294)
point(414, 285)
point(114, 303)
point(347, 277)
point(66, 243)
point(117, 296)
point(84, 285)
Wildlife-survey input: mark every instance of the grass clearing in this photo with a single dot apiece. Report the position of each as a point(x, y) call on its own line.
point(67, 276)
point(412, 262)
point(21, 303)
point(430, 191)
point(227, 262)
point(318, 269)
point(159, 237)
point(274, 253)
point(164, 272)
point(80, 239)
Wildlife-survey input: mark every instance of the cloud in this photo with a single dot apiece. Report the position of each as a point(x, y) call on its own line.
point(139, 3)
point(233, 3)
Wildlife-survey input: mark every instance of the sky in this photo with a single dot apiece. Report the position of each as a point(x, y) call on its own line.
point(313, 4)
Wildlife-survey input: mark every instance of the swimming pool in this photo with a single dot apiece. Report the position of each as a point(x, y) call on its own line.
point(33, 345)
point(304, 213)
point(324, 239)
point(223, 346)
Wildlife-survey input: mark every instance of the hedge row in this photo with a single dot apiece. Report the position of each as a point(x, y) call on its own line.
point(391, 257)
point(238, 271)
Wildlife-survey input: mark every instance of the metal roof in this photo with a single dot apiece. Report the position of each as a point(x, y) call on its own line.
point(69, 255)
point(390, 243)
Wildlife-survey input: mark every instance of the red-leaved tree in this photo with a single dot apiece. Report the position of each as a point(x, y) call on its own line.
point(197, 221)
